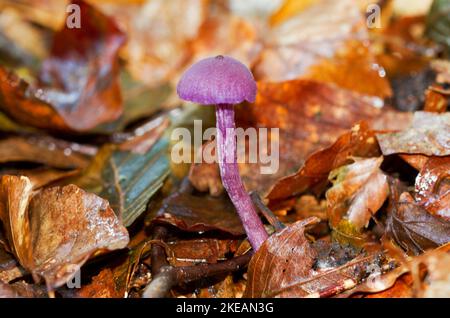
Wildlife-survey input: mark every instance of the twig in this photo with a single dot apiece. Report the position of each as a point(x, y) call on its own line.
point(170, 276)
point(268, 214)
point(165, 276)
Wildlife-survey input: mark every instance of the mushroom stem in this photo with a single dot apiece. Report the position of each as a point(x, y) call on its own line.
point(229, 171)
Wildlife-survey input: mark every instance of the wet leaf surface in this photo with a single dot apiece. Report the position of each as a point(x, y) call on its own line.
point(284, 258)
point(66, 103)
point(429, 135)
point(53, 238)
point(50, 151)
point(358, 192)
point(414, 229)
point(359, 142)
point(199, 213)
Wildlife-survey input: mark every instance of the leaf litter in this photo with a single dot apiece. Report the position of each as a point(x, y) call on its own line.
point(359, 206)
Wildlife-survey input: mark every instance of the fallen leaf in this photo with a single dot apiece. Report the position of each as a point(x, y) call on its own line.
point(199, 213)
point(309, 115)
point(413, 228)
point(158, 35)
point(225, 34)
point(283, 258)
point(429, 135)
point(102, 286)
point(22, 290)
point(358, 192)
point(359, 142)
point(89, 97)
point(432, 188)
point(126, 179)
point(53, 237)
point(205, 177)
point(47, 150)
point(335, 51)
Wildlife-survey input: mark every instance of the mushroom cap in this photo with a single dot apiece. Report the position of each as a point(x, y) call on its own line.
point(217, 80)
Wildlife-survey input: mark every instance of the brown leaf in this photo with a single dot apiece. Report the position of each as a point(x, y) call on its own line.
point(22, 290)
point(158, 35)
point(432, 189)
point(324, 42)
point(205, 177)
point(284, 257)
point(226, 34)
point(102, 286)
point(359, 142)
point(202, 250)
point(310, 115)
point(198, 213)
point(47, 150)
point(429, 135)
point(413, 228)
point(89, 97)
point(358, 191)
point(56, 230)
point(144, 137)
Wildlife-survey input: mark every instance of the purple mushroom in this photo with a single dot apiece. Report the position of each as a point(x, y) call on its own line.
point(224, 81)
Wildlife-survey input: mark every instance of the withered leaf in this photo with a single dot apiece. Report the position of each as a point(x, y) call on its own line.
point(359, 190)
point(102, 286)
point(324, 42)
point(429, 135)
point(359, 142)
point(89, 97)
point(413, 228)
point(47, 150)
point(199, 213)
point(309, 115)
point(285, 257)
point(202, 250)
point(22, 290)
point(158, 33)
point(55, 231)
point(432, 189)
point(205, 177)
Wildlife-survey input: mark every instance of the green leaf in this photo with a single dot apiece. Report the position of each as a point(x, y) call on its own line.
point(127, 180)
point(438, 23)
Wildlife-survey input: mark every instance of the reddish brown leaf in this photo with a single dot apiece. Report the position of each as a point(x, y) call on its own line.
point(50, 151)
point(198, 213)
point(102, 286)
point(310, 115)
point(359, 142)
point(285, 257)
point(89, 97)
point(432, 189)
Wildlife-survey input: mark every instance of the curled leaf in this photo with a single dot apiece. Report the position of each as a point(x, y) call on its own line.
point(55, 231)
